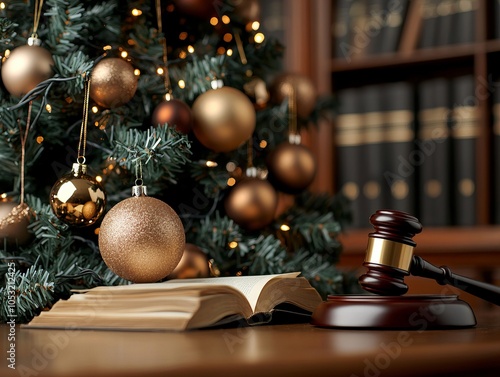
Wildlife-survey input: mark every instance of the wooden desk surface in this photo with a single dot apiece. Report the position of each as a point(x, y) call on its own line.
point(273, 350)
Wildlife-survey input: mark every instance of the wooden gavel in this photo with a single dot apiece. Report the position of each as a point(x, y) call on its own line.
point(389, 258)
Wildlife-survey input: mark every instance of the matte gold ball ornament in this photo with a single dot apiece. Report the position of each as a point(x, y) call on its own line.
point(175, 113)
point(113, 82)
point(291, 167)
point(14, 221)
point(77, 198)
point(246, 10)
point(252, 203)
point(26, 67)
point(224, 119)
point(302, 86)
point(141, 238)
point(193, 264)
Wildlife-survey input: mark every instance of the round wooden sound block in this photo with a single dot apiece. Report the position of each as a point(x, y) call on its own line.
point(414, 312)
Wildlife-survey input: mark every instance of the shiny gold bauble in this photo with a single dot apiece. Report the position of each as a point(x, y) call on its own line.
point(141, 239)
point(224, 119)
point(252, 203)
point(14, 221)
point(198, 8)
point(175, 113)
point(77, 198)
point(25, 68)
point(256, 89)
point(303, 88)
point(113, 82)
point(193, 264)
point(291, 167)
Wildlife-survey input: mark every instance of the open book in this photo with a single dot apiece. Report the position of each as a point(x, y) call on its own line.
point(179, 304)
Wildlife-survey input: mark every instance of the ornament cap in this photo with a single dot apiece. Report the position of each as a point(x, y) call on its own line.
point(79, 169)
point(34, 41)
point(294, 138)
point(139, 190)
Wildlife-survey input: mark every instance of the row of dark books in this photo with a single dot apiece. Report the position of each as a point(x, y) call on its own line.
point(369, 27)
point(410, 147)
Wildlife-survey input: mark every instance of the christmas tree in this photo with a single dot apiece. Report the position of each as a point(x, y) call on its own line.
point(184, 97)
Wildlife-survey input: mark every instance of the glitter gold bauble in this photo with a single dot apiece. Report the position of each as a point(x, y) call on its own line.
point(77, 198)
point(113, 82)
point(224, 119)
point(141, 239)
point(14, 221)
point(252, 203)
point(193, 264)
point(291, 167)
point(303, 88)
point(175, 113)
point(25, 68)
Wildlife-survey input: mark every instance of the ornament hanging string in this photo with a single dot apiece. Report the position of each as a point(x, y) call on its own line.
point(83, 130)
point(292, 126)
point(36, 17)
point(168, 87)
point(239, 45)
point(250, 152)
point(138, 172)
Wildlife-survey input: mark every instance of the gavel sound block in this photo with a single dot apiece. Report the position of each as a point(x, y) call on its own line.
point(389, 258)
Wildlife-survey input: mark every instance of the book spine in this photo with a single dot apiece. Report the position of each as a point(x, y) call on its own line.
point(375, 24)
point(399, 132)
point(372, 198)
point(394, 13)
point(464, 135)
point(340, 28)
point(429, 24)
point(348, 140)
point(445, 13)
point(434, 144)
point(464, 22)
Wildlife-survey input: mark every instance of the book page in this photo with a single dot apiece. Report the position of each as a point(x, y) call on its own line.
point(249, 286)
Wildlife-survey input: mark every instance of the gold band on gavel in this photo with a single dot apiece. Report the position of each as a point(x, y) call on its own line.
point(389, 253)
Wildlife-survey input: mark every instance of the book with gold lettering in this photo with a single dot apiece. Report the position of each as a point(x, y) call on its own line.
point(180, 304)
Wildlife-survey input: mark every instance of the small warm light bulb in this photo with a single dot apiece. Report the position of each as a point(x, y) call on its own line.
point(98, 178)
point(284, 227)
point(259, 38)
point(214, 21)
point(231, 182)
point(124, 54)
point(226, 19)
point(233, 244)
point(182, 84)
point(228, 37)
point(95, 109)
point(183, 36)
point(182, 54)
point(255, 25)
point(229, 52)
point(136, 12)
point(230, 166)
point(160, 71)
point(96, 231)
point(263, 144)
point(190, 49)
point(48, 107)
point(2, 5)
point(211, 164)
point(107, 47)
point(137, 72)
point(221, 50)
point(4, 195)
point(39, 139)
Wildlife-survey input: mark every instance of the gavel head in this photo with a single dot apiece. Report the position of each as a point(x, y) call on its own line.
point(389, 252)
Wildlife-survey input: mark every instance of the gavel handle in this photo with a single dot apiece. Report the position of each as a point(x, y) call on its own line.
point(443, 275)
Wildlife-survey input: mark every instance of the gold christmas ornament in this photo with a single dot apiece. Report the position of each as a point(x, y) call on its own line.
point(141, 238)
point(305, 92)
point(193, 264)
point(246, 10)
point(256, 89)
point(14, 221)
point(224, 119)
point(77, 198)
point(203, 9)
point(291, 167)
point(113, 82)
point(252, 203)
point(25, 68)
point(174, 112)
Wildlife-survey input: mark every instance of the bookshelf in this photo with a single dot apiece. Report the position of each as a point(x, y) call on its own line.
point(477, 245)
